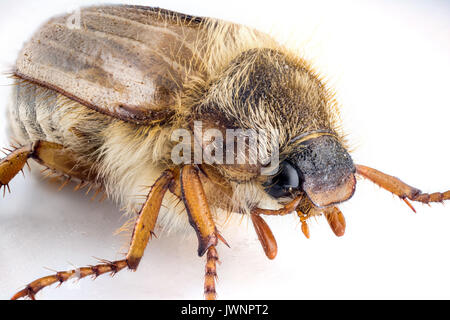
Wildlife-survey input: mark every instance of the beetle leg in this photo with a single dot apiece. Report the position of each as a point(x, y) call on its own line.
point(399, 188)
point(287, 209)
point(53, 156)
point(210, 274)
point(34, 287)
point(58, 158)
point(12, 164)
point(142, 232)
point(201, 220)
point(145, 224)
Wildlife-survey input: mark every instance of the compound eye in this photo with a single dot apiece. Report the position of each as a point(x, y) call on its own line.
point(281, 185)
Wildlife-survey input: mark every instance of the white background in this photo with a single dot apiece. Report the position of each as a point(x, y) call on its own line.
point(389, 64)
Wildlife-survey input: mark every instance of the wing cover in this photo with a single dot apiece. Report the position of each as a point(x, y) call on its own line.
point(125, 61)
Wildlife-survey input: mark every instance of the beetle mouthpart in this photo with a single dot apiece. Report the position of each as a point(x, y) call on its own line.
point(322, 198)
point(326, 169)
point(336, 220)
point(265, 236)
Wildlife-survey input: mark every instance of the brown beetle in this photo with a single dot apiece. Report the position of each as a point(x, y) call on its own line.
point(100, 103)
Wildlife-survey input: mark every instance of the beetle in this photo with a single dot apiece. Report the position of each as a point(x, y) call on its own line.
point(100, 103)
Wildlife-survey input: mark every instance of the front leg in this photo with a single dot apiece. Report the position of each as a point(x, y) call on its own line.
point(201, 220)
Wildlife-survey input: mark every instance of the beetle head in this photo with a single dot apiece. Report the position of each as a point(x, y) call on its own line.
point(320, 167)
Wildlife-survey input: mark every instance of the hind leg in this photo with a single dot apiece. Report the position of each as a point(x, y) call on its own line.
point(12, 164)
point(52, 155)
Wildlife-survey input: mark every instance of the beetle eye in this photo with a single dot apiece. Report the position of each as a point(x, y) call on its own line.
point(281, 184)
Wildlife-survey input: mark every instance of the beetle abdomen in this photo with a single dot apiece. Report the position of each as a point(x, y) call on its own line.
point(32, 116)
point(37, 113)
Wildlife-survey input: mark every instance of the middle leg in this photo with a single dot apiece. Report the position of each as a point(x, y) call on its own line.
point(141, 234)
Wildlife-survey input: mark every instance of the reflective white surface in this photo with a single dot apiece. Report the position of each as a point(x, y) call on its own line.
point(389, 64)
